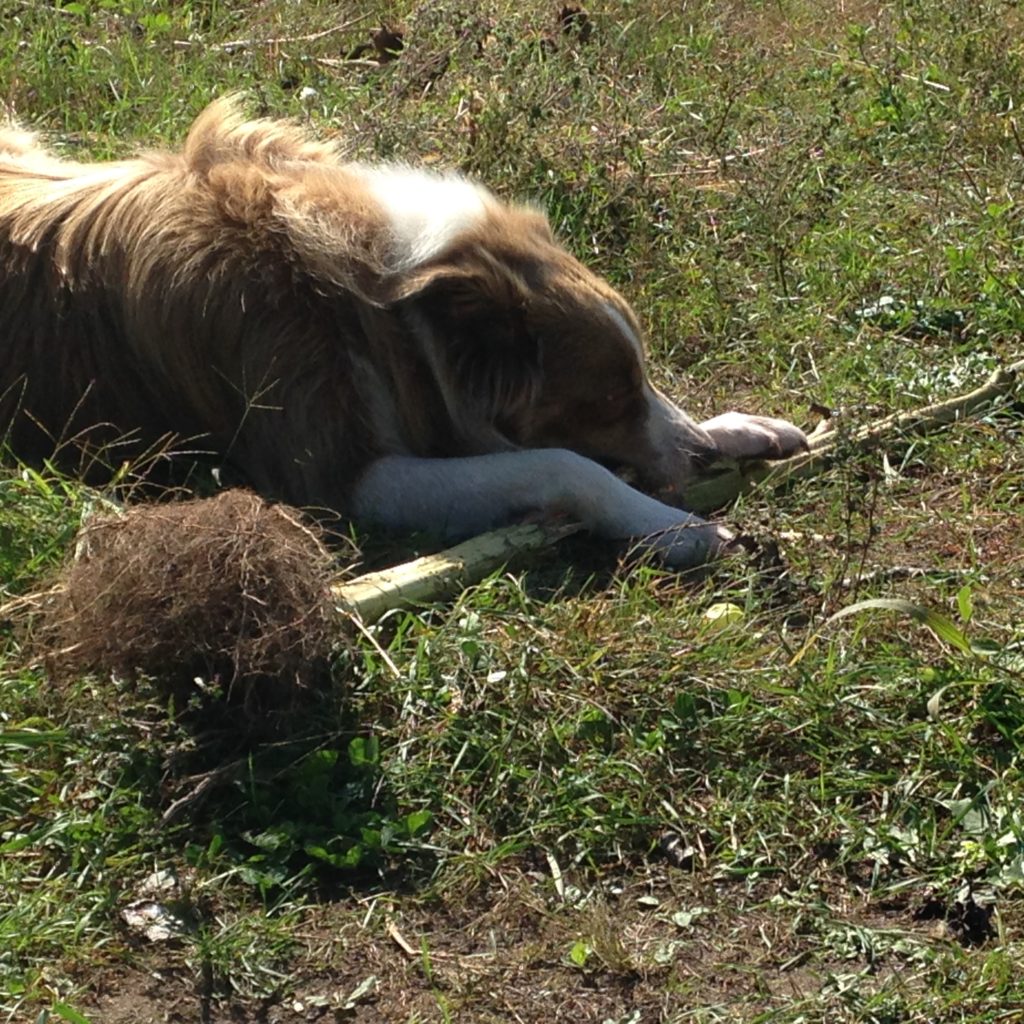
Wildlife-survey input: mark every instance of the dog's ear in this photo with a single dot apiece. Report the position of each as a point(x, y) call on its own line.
point(422, 282)
point(476, 324)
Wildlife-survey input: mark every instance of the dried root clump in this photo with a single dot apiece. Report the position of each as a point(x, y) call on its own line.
point(227, 595)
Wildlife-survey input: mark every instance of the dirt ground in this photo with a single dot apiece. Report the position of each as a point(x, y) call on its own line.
point(660, 947)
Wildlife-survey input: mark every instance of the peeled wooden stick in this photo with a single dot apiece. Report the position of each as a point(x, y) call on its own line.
point(436, 577)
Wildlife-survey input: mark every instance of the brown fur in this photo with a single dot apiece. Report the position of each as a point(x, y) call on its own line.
point(166, 295)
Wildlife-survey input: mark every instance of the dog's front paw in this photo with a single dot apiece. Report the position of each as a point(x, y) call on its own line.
point(691, 544)
point(741, 436)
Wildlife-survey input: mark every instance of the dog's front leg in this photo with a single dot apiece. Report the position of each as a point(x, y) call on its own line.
point(464, 496)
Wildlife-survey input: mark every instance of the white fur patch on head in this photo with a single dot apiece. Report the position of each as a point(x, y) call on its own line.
point(425, 211)
point(623, 325)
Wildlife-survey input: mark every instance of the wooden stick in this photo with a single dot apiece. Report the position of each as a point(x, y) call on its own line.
point(437, 577)
point(252, 44)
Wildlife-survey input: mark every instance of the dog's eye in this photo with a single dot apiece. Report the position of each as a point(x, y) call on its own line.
point(614, 405)
point(617, 401)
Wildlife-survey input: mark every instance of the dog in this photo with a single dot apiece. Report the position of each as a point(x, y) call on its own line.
point(394, 345)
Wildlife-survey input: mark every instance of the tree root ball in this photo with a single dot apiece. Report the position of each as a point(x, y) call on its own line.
point(227, 596)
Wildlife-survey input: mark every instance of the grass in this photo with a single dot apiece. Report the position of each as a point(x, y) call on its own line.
point(571, 795)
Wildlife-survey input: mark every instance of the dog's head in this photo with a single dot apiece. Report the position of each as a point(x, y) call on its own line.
point(533, 350)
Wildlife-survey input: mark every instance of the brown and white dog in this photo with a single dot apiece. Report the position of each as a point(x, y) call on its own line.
point(394, 345)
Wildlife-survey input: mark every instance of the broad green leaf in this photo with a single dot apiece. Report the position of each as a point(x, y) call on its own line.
point(965, 602)
point(417, 822)
point(364, 751)
point(580, 953)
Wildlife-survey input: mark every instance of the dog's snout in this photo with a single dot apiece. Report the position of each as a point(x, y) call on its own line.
point(702, 455)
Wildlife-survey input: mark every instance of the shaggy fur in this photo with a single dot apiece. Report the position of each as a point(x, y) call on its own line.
point(377, 341)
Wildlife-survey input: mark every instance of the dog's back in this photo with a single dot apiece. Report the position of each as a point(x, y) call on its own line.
point(189, 295)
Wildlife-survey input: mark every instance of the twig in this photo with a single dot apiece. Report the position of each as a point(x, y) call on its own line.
point(400, 940)
point(254, 44)
point(1016, 136)
point(905, 75)
point(204, 783)
point(410, 950)
point(336, 63)
point(375, 644)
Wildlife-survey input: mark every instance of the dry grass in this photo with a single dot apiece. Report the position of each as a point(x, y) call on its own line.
point(227, 594)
